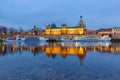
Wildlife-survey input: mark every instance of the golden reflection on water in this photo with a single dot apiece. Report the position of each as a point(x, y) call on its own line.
point(64, 48)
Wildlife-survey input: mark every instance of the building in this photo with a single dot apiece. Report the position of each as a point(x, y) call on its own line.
point(36, 31)
point(3, 30)
point(90, 32)
point(65, 30)
point(105, 31)
point(13, 31)
point(116, 30)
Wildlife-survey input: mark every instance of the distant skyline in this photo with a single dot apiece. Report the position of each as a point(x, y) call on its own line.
point(27, 13)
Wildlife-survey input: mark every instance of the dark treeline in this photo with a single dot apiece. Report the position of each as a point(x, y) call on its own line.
point(13, 31)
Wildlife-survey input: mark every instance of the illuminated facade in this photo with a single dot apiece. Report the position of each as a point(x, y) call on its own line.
point(36, 31)
point(65, 30)
point(90, 32)
point(116, 30)
point(105, 31)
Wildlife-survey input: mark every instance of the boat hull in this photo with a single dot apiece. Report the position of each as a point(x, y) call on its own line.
point(85, 40)
point(13, 40)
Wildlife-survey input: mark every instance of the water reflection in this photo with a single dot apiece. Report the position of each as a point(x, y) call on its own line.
point(60, 61)
point(63, 49)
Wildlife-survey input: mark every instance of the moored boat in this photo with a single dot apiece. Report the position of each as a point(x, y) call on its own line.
point(14, 38)
point(35, 38)
point(32, 38)
point(105, 39)
point(83, 39)
point(43, 39)
point(68, 39)
point(95, 39)
point(89, 39)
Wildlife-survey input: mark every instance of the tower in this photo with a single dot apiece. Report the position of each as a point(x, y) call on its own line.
point(81, 23)
point(81, 27)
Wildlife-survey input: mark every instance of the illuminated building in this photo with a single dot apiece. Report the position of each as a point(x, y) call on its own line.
point(90, 32)
point(116, 30)
point(3, 30)
point(35, 31)
point(105, 31)
point(65, 30)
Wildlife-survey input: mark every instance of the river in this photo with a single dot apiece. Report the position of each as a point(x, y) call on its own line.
point(59, 61)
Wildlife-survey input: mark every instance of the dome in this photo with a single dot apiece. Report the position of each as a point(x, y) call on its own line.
point(53, 25)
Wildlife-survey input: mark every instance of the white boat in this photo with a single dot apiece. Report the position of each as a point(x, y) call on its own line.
point(32, 38)
point(14, 38)
point(95, 39)
point(105, 39)
point(68, 39)
point(43, 39)
point(35, 38)
point(83, 39)
point(89, 39)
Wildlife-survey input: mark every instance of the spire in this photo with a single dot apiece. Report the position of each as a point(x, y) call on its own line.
point(81, 23)
point(80, 17)
point(34, 26)
point(81, 20)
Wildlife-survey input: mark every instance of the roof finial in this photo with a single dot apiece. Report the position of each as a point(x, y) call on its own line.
point(34, 26)
point(80, 17)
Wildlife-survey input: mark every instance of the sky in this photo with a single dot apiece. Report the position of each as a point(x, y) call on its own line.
point(27, 13)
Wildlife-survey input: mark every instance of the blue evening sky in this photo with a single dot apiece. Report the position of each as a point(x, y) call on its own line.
point(26, 13)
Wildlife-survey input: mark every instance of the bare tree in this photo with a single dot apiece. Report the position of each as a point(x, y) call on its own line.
point(13, 31)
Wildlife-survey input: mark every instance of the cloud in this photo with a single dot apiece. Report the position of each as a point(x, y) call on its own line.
point(42, 12)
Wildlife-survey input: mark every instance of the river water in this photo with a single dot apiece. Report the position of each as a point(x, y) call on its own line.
point(59, 61)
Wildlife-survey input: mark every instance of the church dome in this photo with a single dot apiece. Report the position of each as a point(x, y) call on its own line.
point(53, 25)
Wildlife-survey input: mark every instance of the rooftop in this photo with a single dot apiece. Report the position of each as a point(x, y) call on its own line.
point(60, 27)
point(116, 27)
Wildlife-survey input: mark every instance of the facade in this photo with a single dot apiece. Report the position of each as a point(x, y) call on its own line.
point(3, 30)
point(13, 31)
point(106, 31)
point(116, 30)
point(36, 31)
point(90, 32)
point(65, 30)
